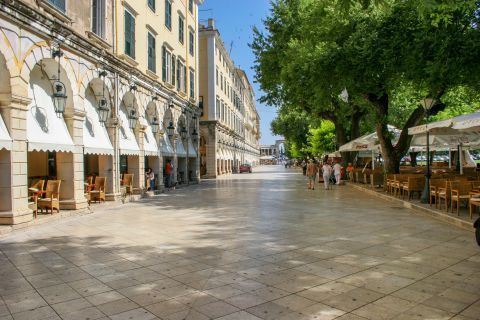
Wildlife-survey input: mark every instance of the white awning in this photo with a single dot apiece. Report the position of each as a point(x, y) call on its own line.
point(46, 131)
point(128, 143)
point(192, 153)
point(95, 135)
point(166, 146)
point(181, 152)
point(149, 141)
point(5, 140)
point(369, 141)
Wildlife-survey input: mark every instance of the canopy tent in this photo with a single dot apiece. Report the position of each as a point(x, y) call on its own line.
point(369, 142)
point(5, 140)
point(46, 131)
point(462, 130)
point(95, 136)
point(181, 152)
point(128, 142)
point(192, 153)
point(149, 141)
point(458, 132)
point(166, 146)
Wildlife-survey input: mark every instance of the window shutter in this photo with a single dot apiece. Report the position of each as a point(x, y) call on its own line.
point(164, 64)
point(128, 44)
point(132, 32)
point(173, 69)
point(95, 16)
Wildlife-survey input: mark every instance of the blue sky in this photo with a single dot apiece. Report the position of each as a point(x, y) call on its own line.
point(235, 20)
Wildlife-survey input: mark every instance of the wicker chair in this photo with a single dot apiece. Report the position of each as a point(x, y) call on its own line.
point(435, 184)
point(52, 196)
point(445, 194)
point(474, 202)
point(460, 191)
point(98, 192)
point(33, 192)
point(414, 184)
point(127, 182)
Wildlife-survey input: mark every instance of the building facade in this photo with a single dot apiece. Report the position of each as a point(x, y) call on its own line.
point(100, 87)
point(230, 124)
point(272, 154)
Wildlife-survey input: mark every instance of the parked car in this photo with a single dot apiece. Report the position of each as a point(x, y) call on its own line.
point(245, 168)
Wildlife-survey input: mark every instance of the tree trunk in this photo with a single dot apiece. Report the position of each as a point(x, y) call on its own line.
point(393, 154)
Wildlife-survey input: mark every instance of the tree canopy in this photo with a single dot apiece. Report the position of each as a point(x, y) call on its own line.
point(388, 55)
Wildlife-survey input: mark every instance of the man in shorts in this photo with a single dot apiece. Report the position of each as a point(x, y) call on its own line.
point(311, 174)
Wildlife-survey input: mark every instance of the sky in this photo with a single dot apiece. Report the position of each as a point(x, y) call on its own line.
point(235, 19)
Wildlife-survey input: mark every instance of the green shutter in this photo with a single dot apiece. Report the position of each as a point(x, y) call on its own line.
point(164, 64)
point(129, 34)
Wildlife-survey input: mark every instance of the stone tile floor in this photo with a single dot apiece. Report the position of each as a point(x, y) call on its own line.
point(245, 247)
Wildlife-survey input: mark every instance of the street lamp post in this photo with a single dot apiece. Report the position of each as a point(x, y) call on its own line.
point(427, 104)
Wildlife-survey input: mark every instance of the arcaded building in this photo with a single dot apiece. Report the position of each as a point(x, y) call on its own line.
point(230, 124)
point(95, 88)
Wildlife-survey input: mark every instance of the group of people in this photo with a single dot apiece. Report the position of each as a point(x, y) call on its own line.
point(167, 172)
point(329, 173)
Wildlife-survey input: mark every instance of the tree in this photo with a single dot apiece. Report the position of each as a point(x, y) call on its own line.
point(389, 54)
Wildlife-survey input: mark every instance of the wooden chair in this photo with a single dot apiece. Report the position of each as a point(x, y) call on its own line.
point(474, 202)
point(98, 191)
point(52, 196)
point(413, 184)
point(445, 194)
point(435, 184)
point(33, 192)
point(127, 182)
point(389, 179)
point(460, 191)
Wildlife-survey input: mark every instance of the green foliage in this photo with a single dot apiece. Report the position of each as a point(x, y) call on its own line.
point(321, 140)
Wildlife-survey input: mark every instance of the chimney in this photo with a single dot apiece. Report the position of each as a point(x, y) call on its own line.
point(211, 23)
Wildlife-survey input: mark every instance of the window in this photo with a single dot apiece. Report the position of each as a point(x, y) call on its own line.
point(152, 65)
point(151, 4)
point(216, 76)
point(191, 45)
point(221, 81)
point(190, 6)
point(184, 89)
point(192, 83)
point(217, 107)
point(98, 18)
point(166, 65)
point(168, 14)
point(129, 34)
point(181, 30)
point(59, 4)
point(173, 69)
point(179, 75)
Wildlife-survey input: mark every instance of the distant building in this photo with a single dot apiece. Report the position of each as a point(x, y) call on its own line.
point(272, 154)
point(230, 124)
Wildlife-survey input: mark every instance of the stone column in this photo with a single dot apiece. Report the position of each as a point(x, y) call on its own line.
point(113, 193)
point(14, 192)
point(139, 170)
point(70, 168)
point(213, 167)
point(105, 168)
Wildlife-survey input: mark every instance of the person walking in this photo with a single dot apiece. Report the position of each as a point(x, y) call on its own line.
point(304, 168)
point(168, 173)
point(337, 170)
point(312, 174)
point(327, 172)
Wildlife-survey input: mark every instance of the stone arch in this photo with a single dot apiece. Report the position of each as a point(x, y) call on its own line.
point(129, 102)
point(91, 75)
point(40, 53)
point(5, 77)
point(98, 87)
point(46, 71)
